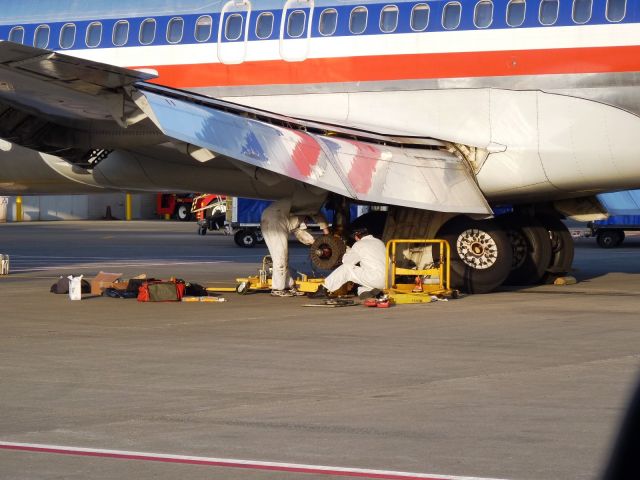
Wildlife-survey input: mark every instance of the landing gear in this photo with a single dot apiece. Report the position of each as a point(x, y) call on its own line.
point(481, 255)
point(327, 251)
point(531, 248)
point(562, 249)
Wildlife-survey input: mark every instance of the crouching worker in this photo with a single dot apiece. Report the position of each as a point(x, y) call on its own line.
point(276, 224)
point(364, 264)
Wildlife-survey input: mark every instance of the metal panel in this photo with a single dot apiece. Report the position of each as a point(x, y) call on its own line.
point(426, 179)
point(621, 203)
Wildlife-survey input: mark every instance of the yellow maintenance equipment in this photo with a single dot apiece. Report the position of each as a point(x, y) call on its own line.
point(434, 280)
point(262, 281)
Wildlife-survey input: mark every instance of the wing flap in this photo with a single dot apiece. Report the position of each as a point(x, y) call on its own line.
point(420, 178)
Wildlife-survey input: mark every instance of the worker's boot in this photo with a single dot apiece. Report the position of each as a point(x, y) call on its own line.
point(322, 292)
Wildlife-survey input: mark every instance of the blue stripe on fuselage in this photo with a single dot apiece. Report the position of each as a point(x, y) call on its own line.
point(162, 11)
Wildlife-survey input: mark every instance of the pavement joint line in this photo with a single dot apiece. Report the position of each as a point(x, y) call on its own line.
point(229, 463)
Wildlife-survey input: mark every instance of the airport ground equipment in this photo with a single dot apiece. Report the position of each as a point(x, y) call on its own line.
point(210, 211)
point(412, 285)
point(262, 281)
point(609, 233)
point(243, 220)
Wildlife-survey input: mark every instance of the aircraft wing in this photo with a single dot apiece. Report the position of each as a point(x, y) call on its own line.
point(71, 94)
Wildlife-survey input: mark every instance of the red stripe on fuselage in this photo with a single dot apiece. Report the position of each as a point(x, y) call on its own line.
point(403, 67)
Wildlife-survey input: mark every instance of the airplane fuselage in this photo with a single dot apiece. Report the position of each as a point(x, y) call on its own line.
point(546, 90)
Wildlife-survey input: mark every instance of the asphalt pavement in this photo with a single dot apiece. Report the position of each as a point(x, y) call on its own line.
point(522, 384)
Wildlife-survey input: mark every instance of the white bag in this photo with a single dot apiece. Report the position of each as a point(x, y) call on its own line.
point(75, 287)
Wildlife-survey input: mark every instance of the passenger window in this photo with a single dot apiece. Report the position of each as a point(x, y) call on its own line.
point(328, 22)
point(295, 25)
point(451, 15)
point(94, 34)
point(41, 37)
point(233, 27)
point(483, 14)
point(120, 33)
point(616, 10)
point(147, 31)
point(358, 20)
point(175, 29)
point(420, 17)
point(515, 12)
point(389, 19)
point(203, 28)
point(264, 25)
point(16, 35)
point(67, 36)
point(548, 12)
point(582, 10)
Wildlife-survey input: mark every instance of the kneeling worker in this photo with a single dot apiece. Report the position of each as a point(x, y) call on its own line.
point(276, 224)
point(363, 264)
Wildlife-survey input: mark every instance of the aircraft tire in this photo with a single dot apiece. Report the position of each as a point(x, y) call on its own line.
point(481, 254)
point(327, 251)
point(373, 221)
point(531, 248)
point(562, 248)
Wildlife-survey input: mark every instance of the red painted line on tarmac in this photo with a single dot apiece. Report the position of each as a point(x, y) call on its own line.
point(227, 463)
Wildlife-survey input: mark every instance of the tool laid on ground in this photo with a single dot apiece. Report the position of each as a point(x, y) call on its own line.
point(333, 303)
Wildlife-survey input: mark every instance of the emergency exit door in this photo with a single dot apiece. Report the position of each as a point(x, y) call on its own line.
point(233, 31)
point(295, 30)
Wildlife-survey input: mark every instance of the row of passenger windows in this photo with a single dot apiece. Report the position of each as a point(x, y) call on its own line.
point(120, 34)
point(328, 23)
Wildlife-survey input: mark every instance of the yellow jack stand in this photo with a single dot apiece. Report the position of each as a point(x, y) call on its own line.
point(404, 293)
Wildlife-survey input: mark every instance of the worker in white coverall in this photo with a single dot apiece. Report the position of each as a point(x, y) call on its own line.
point(276, 224)
point(363, 264)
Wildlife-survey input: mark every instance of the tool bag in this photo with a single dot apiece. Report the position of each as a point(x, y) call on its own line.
point(161, 291)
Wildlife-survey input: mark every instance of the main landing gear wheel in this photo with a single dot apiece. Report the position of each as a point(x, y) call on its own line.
point(531, 248)
point(609, 238)
point(562, 248)
point(245, 238)
point(327, 252)
point(480, 254)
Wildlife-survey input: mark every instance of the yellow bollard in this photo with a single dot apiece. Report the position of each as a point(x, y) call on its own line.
point(128, 207)
point(19, 215)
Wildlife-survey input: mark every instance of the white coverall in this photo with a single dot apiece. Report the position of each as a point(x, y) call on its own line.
point(371, 254)
point(276, 224)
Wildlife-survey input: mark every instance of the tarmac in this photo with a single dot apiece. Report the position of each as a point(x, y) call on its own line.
point(519, 384)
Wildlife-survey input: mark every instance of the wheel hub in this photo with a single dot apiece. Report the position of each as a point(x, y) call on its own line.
point(324, 251)
point(477, 249)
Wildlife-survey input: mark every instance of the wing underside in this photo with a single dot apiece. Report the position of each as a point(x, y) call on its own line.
point(56, 103)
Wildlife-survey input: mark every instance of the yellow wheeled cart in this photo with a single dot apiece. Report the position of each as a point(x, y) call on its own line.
point(431, 281)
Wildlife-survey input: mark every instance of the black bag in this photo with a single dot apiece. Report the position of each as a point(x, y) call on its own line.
point(135, 283)
point(62, 286)
point(115, 293)
point(195, 290)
